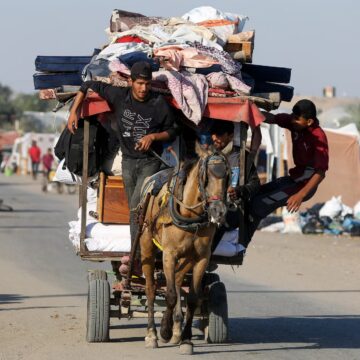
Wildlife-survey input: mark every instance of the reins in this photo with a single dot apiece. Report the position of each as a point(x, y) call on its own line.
point(200, 221)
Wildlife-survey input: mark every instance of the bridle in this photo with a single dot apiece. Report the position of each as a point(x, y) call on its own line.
point(209, 163)
point(206, 165)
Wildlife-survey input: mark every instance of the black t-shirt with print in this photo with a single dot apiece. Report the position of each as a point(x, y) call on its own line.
point(135, 119)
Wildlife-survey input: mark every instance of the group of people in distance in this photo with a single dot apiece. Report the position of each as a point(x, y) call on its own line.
point(144, 120)
point(35, 158)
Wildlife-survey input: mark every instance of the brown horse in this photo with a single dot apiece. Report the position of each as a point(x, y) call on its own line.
point(184, 230)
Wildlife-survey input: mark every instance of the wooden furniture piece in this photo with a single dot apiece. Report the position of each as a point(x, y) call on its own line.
point(241, 46)
point(112, 205)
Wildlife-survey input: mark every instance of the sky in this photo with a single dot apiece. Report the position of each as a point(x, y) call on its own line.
point(318, 39)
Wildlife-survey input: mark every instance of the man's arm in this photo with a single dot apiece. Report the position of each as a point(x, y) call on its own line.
point(169, 127)
point(144, 143)
point(106, 91)
point(294, 201)
point(269, 118)
point(73, 120)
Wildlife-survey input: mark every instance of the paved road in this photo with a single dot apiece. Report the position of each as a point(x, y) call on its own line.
point(296, 297)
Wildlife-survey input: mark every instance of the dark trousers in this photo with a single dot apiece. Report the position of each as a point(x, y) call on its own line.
point(275, 194)
point(34, 168)
point(134, 172)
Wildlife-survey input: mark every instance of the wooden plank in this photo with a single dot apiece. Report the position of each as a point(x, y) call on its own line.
point(102, 255)
point(245, 46)
point(242, 36)
point(243, 175)
point(286, 92)
point(84, 185)
point(100, 199)
point(274, 74)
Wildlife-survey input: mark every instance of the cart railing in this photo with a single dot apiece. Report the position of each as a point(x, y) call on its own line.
point(85, 254)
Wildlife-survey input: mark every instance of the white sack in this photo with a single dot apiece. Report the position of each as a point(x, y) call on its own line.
point(332, 207)
point(228, 245)
point(204, 13)
point(357, 210)
point(101, 237)
point(67, 177)
point(291, 222)
point(346, 210)
point(277, 227)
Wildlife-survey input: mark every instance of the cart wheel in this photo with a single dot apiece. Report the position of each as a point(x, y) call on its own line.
point(210, 278)
point(207, 281)
point(218, 314)
point(60, 188)
point(71, 189)
point(6, 208)
point(97, 274)
point(98, 311)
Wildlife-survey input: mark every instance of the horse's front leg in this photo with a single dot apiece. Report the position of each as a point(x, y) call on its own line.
point(171, 298)
point(148, 266)
point(193, 299)
point(184, 267)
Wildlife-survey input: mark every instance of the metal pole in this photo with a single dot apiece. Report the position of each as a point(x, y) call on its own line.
point(243, 175)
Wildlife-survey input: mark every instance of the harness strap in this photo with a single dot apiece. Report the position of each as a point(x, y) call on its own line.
point(157, 244)
point(187, 224)
point(187, 207)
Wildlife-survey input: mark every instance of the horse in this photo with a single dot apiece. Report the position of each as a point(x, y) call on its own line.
point(184, 230)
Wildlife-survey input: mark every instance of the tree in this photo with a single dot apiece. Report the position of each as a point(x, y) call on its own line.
point(13, 107)
point(7, 108)
point(354, 115)
point(31, 102)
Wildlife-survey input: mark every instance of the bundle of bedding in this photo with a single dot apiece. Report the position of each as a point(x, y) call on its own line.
point(204, 53)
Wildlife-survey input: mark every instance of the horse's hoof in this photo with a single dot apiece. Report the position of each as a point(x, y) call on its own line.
point(165, 336)
point(151, 343)
point(164, 340)
point(175, 339)
point(186, 348)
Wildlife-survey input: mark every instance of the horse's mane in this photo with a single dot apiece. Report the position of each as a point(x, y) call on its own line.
point(188, 164)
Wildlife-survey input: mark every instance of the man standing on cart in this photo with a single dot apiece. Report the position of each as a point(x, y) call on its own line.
point(143, 120)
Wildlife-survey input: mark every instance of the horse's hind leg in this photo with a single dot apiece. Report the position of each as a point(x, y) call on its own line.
point(184, 267)
point(186, 346)
point(148, 266)
point(167, 320)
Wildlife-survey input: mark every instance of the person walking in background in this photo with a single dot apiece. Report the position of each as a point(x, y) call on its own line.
point(35, 156)
point(47, 162)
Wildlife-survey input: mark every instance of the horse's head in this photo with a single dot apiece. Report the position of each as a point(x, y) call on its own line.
point(214, 175)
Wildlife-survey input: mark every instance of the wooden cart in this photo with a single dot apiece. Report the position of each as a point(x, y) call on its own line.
point(117, 300)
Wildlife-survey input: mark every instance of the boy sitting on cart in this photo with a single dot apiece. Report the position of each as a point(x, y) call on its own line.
point(222, 135)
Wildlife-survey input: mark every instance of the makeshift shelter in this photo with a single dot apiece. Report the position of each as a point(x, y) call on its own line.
point(7, 139)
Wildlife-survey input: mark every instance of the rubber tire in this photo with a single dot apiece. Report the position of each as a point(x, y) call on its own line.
point(210, 278)
point(71, 189)
point(97, 274)
point(218, 314)
point(98, 311)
